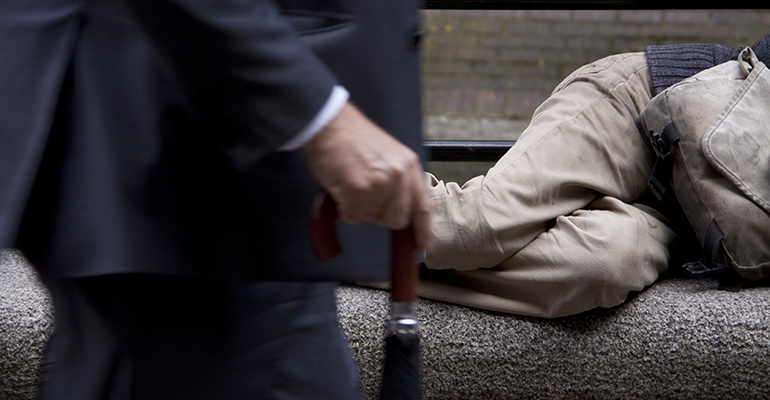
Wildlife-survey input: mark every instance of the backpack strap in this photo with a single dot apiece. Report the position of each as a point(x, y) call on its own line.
point(661, 173)
point(711, 240)
point(708, 265)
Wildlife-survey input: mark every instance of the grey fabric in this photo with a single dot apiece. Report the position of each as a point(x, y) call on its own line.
point(26, 323)
point(680, 339)
point(672, 63)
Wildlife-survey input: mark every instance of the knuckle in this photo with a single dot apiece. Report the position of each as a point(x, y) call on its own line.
point(413, 160)
point(360, 189)
point(401, 223)
point(379, 179)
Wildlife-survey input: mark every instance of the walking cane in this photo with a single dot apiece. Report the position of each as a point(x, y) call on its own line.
point(401, 372)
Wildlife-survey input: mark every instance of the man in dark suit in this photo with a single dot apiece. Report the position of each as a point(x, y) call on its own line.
point(149, 180)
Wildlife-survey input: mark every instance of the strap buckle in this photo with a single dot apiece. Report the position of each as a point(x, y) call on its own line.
point(660, 146)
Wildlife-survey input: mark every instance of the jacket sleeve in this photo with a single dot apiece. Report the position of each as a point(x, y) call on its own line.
point(244, 66)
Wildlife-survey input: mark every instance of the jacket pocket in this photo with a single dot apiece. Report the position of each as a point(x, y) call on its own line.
point(328, 34)
point(317, 22)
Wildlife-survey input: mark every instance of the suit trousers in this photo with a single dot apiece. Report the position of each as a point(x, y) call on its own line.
point(150, 337)
point(553, 228)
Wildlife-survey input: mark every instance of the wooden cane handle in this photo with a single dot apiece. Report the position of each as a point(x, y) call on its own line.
point(323, 236)
point(323, 226)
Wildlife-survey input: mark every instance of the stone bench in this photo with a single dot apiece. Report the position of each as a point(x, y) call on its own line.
point(26, 323)
point(679, 339)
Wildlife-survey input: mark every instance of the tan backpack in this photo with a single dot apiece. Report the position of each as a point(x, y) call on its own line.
point(711, 133)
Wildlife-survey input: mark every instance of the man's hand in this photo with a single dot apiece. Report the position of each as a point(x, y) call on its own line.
point(372, 176)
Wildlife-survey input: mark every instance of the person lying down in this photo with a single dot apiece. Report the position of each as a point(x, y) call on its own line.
point(562, 223)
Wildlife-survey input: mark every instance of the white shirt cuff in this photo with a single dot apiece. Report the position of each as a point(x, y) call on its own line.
point(337, 99)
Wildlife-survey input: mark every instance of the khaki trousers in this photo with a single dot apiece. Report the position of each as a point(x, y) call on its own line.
point(552, 229)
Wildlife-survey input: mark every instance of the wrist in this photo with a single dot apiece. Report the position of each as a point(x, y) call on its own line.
point(331, 109)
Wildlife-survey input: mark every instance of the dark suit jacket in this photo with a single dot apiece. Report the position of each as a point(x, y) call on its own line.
point(123, 155)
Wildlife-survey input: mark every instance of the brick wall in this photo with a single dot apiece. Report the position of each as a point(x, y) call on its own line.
point(502, 64)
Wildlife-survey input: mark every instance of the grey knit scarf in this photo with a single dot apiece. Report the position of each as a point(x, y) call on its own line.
point(673, 63)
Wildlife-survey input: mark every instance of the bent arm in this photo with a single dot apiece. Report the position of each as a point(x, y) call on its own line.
point(243, 65)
